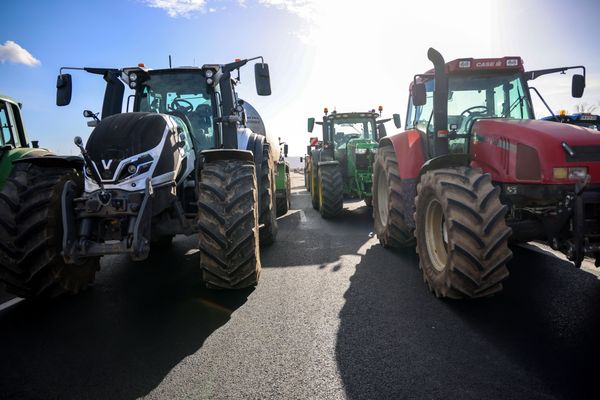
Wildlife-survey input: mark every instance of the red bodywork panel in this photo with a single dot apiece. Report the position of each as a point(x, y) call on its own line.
point(497, 142)
point(410, 153)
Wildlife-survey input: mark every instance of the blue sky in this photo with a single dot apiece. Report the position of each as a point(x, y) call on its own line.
point(348, 54)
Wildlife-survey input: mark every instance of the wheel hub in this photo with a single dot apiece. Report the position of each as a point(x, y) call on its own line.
point(436, 234)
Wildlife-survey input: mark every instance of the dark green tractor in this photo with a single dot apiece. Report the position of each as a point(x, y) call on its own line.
point(343, 164)
point(13, 141)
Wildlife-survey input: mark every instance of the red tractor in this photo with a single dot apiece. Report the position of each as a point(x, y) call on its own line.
point(474, 171)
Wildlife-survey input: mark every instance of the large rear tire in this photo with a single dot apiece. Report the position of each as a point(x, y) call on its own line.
point(462, 237)
point(228, 222)
point(314, 187)
point(268, 201)
point(331, 190)
point(388, 208)
point(38, 269)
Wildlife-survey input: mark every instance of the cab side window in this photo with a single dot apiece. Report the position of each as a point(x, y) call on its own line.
point(5, 126)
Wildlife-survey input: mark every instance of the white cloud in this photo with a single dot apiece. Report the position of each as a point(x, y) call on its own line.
point(303, 8)
point(11, 51)
point(178, 8)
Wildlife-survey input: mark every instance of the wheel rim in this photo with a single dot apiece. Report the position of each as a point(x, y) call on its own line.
point(320, 194)
point(382, 200)
point(436, 235)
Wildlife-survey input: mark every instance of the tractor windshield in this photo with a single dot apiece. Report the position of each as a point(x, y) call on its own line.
point(342, 130)
point(183, 94)
point(477, 96)
point(472, 97)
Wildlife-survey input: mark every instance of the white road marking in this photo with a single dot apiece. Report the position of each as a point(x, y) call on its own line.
point(302, 217)
point(10, 303)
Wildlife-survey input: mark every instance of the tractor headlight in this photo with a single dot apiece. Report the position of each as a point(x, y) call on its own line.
point(131, 169)
point(573, 173)
point(578, 173)
point(133, 77)
point(361, 151)
point(209, 73)
point(209, 81)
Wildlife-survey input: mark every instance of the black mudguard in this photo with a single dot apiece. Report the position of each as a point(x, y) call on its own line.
point(45, 159)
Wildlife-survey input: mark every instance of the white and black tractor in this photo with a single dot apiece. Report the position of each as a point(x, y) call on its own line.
point(182, 162)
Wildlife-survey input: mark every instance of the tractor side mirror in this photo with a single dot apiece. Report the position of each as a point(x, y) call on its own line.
point(262, 79)
point(381, 131)
point(311, 124)
point(285, 150)
point(301, 159)
point(64, 89)
point(577, 85)
point(397, 121)
point(419, 94)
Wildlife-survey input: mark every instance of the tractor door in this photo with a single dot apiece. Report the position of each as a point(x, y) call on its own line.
point(420, 118)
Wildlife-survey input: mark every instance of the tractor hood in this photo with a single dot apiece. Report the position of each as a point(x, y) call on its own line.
point(119, 138)
point(528, 150)
point(539, 132)
point(362, 143)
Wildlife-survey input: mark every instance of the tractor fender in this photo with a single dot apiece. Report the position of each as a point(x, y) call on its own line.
point(44, 158)
point(445, 161)
point(410, 149)
point(225, 154)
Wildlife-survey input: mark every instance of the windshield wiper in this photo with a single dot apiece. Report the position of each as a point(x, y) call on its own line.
point(518, 101)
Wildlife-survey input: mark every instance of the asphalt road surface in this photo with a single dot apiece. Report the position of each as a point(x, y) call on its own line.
point(334, 316)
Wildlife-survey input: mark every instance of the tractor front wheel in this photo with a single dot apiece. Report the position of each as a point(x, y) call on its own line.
point(31, 204)
point(462, 237)
point(331, 190)
point(314, 188)
point(268, 201)
point(389, 210)
point(228, 222)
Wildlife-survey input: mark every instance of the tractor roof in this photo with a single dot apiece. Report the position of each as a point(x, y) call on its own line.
point(368, 114)
point(475, 65)
point(8, 99)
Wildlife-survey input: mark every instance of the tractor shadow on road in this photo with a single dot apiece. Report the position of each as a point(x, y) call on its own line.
point(305, 238)
point(537, 339)
point(117, 340)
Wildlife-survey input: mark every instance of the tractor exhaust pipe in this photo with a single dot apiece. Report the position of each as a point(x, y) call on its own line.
point(440, 102)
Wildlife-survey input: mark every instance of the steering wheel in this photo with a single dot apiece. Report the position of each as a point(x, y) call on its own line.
point(182, 105)
point(470, 113)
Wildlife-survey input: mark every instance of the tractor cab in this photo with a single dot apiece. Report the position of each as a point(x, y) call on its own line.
point(469, 90)
point(11, 124)
point(183, 94)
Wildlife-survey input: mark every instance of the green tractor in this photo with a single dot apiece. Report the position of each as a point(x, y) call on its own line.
point(13, 141)
point(343, 164)
point(314, 143)
point(283, 185)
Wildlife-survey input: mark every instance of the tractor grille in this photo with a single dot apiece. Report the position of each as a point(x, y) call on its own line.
point(362, 161)
point(585, 153)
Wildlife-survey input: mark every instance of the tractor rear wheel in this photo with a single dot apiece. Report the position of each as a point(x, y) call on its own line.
point(33, 195)
point(284, 203)
point(462, 237)
point(314, 187)
point(228, 222)
point(268, 201)
point(388, 208)
point(331, 190)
